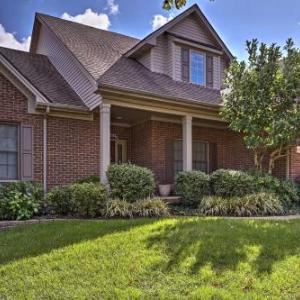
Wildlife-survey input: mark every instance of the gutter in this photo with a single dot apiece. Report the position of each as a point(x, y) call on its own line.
point(155, 97)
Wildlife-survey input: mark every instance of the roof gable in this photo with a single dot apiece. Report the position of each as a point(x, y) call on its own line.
point(191, 17)
point(96, 49)
point(42, 75)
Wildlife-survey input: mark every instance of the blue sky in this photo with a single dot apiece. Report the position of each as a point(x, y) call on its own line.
point(235, 20)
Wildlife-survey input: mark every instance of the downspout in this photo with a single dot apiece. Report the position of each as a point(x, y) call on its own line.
point(45, 152)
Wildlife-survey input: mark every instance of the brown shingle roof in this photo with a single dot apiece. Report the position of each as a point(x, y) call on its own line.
point(128, 74)
point(97, 50)
point(39, 71)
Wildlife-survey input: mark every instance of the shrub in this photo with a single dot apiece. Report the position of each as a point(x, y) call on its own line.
point(59, 201)
point(20, 200)
point(192, 186)
point(88, 199)
point(150, 208)
point(287, 191)
point(142, 208)
point(130, 182)
point(260, 204)
point(117, 208)
point(17, 206)
point(230, 183)
point(80, 199)
point(89, 179)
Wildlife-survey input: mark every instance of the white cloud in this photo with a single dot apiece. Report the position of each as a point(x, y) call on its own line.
point(9, 40)
point(91, 18)
point(112, 7)
point(160, 20)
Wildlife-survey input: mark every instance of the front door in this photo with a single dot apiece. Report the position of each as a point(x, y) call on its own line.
point(119, 151)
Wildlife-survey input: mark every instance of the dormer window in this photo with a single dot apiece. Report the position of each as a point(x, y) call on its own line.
point(197, 67)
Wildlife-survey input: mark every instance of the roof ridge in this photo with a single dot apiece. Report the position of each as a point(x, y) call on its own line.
point(23, 51)
point(81, 24)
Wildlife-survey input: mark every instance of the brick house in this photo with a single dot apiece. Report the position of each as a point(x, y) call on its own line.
point(83, 98)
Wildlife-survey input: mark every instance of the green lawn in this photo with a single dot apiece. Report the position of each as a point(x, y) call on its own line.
point(184, 258)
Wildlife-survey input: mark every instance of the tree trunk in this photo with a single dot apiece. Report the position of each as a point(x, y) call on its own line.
point(258, 159)
point(275, 155)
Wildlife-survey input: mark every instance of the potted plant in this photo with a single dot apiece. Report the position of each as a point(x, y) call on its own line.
point(164, 189)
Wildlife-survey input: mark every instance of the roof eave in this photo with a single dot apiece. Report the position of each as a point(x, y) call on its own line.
point(159, 98)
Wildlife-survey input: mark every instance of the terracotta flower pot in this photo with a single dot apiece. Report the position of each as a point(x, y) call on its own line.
point(164, 189)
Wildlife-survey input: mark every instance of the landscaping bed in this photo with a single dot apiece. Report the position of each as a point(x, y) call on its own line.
point(130, 194)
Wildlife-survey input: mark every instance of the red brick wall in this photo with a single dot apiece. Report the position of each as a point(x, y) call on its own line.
point(73, 150)
point(73, 145)
point(13, 108)
point(294, 165)
point(230, 147)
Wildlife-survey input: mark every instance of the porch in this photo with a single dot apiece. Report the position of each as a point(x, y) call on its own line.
point(167, 142)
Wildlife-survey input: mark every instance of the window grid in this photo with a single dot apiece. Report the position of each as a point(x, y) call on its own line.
point(197, 67)
point(200, 156)
point(8, 152)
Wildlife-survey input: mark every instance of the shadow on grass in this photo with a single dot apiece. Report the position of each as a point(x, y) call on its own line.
point(33, 240)
point(223, 244)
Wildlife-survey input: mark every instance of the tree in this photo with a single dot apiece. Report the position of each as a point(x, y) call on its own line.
point(261, 100)
point(168, 4)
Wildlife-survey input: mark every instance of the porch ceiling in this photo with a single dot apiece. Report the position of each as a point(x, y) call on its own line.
point(131, 116)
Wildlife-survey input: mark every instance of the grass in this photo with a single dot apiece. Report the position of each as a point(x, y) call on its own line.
point(180, 258)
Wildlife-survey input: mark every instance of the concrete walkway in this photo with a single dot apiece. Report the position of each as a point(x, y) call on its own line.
point(271, 218)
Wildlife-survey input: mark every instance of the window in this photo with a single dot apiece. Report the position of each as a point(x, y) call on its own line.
point(8, 152)
point(200, 156)
point(197, 68)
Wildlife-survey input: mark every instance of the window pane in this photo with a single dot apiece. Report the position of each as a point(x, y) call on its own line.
point(178, 163)
point(8, 151)
point(8, 144)
point(200, 156)
point(197, 68)
point(12, 158)
point(12, 172)
point(3, 158)
point(3, 171)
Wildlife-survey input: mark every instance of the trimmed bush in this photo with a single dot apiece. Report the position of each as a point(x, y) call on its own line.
point(230, 183)
point(79, 199)
point(59, 201)
point(20, 200)
point(88, 198)
point(130, 182)
point(287, 191)
point(150, 208)
point(89, 179)
point(192, 186)
point(260, 204)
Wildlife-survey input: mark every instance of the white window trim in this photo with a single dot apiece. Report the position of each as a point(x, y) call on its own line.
point(204, 66)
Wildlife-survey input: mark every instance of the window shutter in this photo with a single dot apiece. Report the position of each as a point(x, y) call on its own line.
point(26, 152)
point(185, 64)
point(213, 157)
point(209, 71)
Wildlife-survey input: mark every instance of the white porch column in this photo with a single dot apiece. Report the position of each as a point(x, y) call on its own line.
point(187, 143)
point(104, 140)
